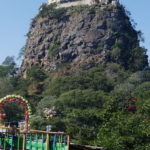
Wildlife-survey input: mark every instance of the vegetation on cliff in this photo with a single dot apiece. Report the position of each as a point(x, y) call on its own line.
point(93, 101)
point(83, 37)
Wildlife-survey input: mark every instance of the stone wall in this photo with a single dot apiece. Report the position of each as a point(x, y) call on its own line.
point(84, 147)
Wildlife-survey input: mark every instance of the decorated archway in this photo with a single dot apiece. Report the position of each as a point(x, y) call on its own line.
point(20, 100)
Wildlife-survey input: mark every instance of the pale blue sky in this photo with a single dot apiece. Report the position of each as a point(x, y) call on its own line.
point(16, 15)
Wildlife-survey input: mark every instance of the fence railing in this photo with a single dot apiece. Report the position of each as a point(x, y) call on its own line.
point(33, 140)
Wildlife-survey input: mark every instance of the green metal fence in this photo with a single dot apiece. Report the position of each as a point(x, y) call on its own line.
point(34, 140)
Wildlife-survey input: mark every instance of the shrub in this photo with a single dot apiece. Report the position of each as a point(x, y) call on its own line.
point(53, 50)
point(35, 73)
point(51, 11)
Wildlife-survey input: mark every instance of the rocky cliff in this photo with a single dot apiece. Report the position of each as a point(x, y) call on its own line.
point(81, 36)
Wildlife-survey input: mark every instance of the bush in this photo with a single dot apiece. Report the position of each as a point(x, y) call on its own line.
point(50, 11)
point(36, 73)
point(53, 50)
point(124, 132)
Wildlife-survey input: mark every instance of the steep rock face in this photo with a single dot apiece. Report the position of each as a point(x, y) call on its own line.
point(81, 38)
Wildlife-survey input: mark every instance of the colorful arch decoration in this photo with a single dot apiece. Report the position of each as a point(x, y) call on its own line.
point(20, 100)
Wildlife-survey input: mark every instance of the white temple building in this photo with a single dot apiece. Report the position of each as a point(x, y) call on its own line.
point(68, 3)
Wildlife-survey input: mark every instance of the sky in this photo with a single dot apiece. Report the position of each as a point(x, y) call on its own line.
point(16, 16)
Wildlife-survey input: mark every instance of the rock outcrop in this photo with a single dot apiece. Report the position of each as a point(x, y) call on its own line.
point(82, 36)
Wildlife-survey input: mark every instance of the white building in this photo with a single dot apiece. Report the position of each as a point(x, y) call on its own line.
point(67, 3)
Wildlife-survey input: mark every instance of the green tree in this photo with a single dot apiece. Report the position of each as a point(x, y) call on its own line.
point(36, 74)
point(5, 87)
point(9, 61)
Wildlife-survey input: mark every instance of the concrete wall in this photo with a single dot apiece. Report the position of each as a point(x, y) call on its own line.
point(85, 2)
point(76, 3)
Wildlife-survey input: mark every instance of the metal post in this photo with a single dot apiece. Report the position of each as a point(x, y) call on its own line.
point(42, 141)
point(47, 141)
point(54, 142)
point(12, 142)
point(36, 141)
point(5, 141)
point(30, 141)
point(24, 141)
point(68, 141)
point(65, 142)
point(18, 145)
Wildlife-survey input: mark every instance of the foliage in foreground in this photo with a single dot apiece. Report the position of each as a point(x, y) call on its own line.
point(90, 105)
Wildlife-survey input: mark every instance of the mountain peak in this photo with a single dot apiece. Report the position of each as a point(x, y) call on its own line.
point(82, 37)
